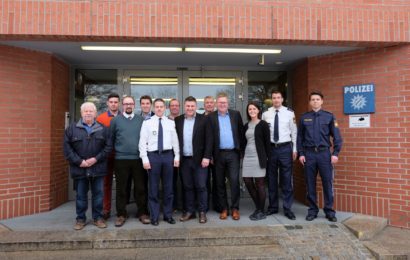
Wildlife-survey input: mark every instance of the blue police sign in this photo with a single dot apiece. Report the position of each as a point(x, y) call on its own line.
point(358, 99)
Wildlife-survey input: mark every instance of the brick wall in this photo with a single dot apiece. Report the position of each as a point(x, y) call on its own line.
point(373, 174)
point(31, 84)
point(363, 22)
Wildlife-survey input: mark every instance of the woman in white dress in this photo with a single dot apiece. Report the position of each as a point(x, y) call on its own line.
point(257, 150)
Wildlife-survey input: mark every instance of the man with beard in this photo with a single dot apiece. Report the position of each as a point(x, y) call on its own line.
point(125, 130)
point(105, 118)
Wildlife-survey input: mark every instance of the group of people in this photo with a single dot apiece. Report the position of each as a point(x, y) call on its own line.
point(202, 151)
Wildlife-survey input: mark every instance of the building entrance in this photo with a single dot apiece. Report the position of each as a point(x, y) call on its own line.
point(181, 84)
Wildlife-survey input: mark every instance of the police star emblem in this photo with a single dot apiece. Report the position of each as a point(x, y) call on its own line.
point(336, 124)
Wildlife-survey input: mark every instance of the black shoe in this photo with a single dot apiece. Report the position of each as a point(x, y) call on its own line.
point(290, 215)
point(310, 217)
point(259, 216)
point(271, 212)
point(154, 222)
point(253, 215)
point(170, 220)
point(331, 218)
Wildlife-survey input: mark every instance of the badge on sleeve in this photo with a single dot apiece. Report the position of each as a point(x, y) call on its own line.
point(336, 124)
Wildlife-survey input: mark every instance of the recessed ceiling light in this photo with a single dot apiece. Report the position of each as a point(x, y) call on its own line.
point(130, 48)
point(234, 50)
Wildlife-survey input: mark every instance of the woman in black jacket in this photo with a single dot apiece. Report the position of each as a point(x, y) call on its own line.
point(256, 140)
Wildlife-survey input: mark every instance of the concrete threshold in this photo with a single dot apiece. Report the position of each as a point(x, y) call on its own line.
point(137, 238)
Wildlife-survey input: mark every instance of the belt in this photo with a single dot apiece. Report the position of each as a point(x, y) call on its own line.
point(227, 150)
point(276, 145)
point(158, 152)
point(187, 157)
point(317, 149)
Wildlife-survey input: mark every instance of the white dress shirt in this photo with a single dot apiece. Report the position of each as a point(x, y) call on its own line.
point(287, 124)
point(128, 115)
point(149, 137)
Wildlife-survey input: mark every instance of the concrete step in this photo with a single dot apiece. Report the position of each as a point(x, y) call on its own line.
point(365, 227)
point(138, 238)
point(203, 252)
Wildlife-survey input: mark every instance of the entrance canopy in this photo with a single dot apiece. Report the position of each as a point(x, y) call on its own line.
point(72, 53)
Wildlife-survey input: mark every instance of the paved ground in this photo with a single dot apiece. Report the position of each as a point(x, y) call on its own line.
point(63, 218)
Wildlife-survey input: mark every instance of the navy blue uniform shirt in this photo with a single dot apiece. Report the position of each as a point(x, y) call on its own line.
point(315, 130)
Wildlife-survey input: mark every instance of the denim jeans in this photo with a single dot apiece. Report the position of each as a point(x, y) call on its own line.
point(82, 187)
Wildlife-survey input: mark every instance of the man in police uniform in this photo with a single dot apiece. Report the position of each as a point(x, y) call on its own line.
point(283, 152)
point(313, 145)
point(158, 138)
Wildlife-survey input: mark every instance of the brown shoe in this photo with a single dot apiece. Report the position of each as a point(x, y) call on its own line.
point(80, 224)
point(144, 219)
point(202, 217)
point(235, 214)
point(224, 214)
point(100, 223)
point(187, 216)
point(120, 221)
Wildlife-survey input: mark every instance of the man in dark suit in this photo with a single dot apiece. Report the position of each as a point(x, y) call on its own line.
point(227, 128)
point(195, 142)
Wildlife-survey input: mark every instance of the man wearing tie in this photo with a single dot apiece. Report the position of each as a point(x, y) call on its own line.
point(283, 130)
point(159, 150)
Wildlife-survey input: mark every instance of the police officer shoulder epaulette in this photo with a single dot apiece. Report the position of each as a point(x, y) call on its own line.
point(290, 109)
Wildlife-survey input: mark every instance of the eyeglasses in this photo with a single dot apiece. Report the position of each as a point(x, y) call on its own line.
point(128, 104)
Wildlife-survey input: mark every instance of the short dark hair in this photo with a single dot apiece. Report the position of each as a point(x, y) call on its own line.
point(113, 95)
point(315, 92)
point(159, 100)
point(257, 106)
point(146, 97)
point(173, 99)
point(276, 92)
point(190, 98)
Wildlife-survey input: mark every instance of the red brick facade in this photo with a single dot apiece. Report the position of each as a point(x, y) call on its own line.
point(373, 174)
point(34, 97)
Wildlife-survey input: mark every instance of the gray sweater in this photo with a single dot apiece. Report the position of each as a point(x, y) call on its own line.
point(125, 136)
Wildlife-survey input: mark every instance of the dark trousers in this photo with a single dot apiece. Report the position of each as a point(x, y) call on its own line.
point(227, 165)
point(194, 179)
point(161, 169)
point(280, 165)
point(212, 191)
point(133, 168)
point(319, 161)
point(108, 186)
point(178, 187)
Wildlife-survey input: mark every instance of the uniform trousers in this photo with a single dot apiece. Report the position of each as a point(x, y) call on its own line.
point(125, 169)
point(161, 169)
point(194, 180)
point(227, 165)
point(319, 161)
point(280, 165)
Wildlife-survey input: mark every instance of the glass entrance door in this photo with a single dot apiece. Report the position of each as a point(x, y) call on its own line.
point(181, 84)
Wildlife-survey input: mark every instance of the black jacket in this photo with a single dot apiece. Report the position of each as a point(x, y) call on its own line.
point(202, 137)
point(237, 130)
point(262, 142)
point(79, 145)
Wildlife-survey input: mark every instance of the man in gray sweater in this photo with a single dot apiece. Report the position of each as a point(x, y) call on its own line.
point(125, 130)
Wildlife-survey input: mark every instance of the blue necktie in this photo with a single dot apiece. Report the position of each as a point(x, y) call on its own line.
point(160, 137)
point(276, 128)
point(316, 129)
